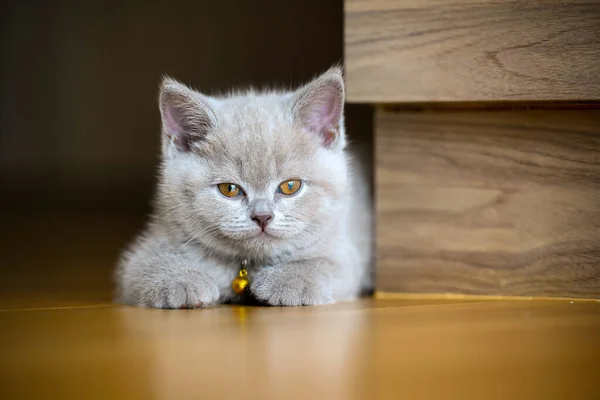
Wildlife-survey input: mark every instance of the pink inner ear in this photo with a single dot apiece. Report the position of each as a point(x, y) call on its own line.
point(172, 125)
point(325, 121)
point(175, 129)
point(323, 113)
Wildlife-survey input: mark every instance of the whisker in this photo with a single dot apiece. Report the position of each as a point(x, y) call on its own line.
point(197, 234)
point(168, 209)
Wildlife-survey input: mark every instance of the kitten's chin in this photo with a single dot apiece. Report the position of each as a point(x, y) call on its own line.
point(256, 244)
point(262, 240)
point(261, 245)
point(257, 247)
point(257, 237)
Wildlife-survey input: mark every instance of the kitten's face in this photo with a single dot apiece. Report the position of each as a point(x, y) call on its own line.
point(258, 182)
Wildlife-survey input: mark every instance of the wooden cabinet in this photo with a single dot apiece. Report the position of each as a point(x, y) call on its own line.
point(457, 50)
point(498, 202)
point(487, 134)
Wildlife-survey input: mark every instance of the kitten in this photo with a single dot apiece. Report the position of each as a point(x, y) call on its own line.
point(261, 176)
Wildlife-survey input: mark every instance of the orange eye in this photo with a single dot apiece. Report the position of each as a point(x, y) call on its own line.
point(230, 189)
point(290, 187)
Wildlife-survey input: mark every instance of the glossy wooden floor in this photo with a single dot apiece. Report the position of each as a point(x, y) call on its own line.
point(60, 338)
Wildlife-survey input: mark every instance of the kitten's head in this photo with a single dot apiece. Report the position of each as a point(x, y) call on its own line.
point(254, 175)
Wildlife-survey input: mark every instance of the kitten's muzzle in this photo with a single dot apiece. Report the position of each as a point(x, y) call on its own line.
point(262, 219)
point(262, 213)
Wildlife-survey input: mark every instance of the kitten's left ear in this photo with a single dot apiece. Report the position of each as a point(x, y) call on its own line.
point(319, 108)
point(186, 115)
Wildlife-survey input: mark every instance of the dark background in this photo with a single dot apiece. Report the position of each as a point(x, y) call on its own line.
point(79, 123)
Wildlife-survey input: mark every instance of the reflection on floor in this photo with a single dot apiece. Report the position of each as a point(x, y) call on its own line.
point(61, 338)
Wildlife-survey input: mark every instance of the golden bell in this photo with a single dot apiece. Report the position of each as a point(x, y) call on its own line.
point(240, 283)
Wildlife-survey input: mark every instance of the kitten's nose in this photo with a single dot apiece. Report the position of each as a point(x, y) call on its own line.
point(262, 219)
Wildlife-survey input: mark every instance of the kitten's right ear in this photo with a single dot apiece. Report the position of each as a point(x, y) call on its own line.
point(186, 118)
point(319, 108)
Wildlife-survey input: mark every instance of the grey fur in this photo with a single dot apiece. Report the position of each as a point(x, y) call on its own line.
point(320, 248)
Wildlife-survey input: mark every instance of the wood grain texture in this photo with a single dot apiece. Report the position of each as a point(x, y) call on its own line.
point(498, 203)
point(449, 50)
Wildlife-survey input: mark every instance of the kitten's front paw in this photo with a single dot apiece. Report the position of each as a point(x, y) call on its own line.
point(286, 286)
point(186, 289)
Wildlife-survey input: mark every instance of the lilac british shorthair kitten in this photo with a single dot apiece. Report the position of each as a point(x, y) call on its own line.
point(263, 177)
